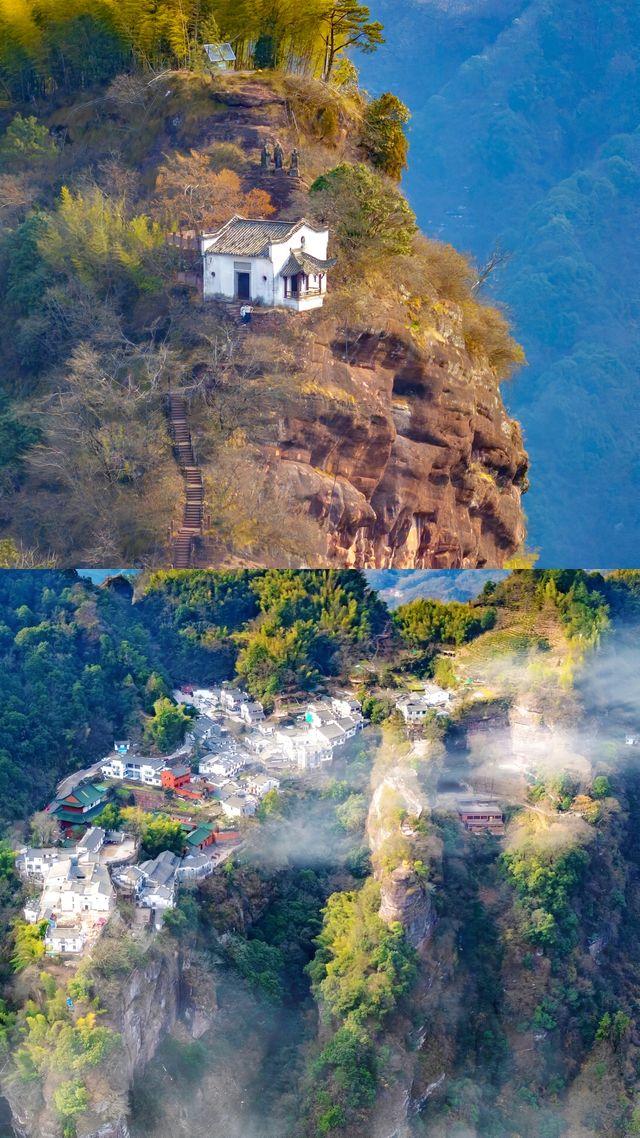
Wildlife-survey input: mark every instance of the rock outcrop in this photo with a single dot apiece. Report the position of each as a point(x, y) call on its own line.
point(412, 461)
point(406, 899)
point(396, 443)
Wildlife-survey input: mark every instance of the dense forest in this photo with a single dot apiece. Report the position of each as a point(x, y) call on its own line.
point(524, 963)
point(52, 47)
point(81, 664)
point(546, 97)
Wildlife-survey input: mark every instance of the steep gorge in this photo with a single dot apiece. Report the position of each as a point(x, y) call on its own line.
point(166, 992)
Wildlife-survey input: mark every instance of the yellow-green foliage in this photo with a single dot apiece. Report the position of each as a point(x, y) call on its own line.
point(487, 333)
point(70, 1099)
point(28, 943)
point(303, 35)
point(440, 274)
point(47, 1037)
point(444, 672)
point(91, 237)
point(362, 967)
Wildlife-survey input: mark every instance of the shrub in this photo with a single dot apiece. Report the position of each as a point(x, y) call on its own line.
point(70, 1100)
point(383, 137)
point(369, 216)
point(601, 787)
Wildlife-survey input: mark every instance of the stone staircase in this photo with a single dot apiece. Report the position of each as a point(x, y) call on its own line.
point(193, 510)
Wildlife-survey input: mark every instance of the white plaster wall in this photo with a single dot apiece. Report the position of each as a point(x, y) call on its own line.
point(271, 290)
point(314, 243)
point(224, 281)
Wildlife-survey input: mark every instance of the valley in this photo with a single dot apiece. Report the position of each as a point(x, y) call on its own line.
point(399, 941)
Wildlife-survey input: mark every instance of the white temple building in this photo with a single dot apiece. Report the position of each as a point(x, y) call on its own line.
point(280, 264)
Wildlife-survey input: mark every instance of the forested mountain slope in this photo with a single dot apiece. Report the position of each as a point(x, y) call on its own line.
point(398, 586)
point(400, 974)
point(525, 135)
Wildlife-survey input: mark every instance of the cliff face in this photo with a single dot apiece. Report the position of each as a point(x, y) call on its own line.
point(143, 1008)
point(413, 463)
point(404, 898)
point(396, 443)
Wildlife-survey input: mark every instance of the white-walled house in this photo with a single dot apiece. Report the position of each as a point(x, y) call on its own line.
point(331, 735)
point(436, 696)
point(31, 911)
point(302, 747)
point(64, 939)
point(74, 885)
point(194, 867)
point(224, 766)
point(252, 712)
point(280, 264)
point(92, 840)
point(261, 784)
point(345, 705)
point(114, 768)
point(33, 862)
point(150, 770)
point(135, 768)
point(239, 806)
point(233, 698)
point(158, 890)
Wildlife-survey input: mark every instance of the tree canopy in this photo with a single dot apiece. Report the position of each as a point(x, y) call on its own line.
point(73, 45)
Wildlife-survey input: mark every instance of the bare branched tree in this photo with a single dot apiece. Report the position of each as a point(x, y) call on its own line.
point(498, 259)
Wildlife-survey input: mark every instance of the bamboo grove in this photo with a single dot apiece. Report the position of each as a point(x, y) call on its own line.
point(67, 45)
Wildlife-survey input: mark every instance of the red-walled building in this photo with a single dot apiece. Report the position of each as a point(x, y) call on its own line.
point(175, 778)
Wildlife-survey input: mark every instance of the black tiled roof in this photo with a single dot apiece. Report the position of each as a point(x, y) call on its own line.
point(301, 262)
point(252, 237)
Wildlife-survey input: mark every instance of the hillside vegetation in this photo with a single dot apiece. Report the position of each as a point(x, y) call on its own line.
point(372, 951)
point(113, 135)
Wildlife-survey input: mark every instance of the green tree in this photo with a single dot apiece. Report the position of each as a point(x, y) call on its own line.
point(269, 806)
point(345, 24)
point(90, 237)
point(383, 136)
point(28, 942)
point(426, 622)
point(260, 964)
point(601, 787)
point(110, 818)
point(376, 709)
point(70, 1100)
point(25, 139)
point(367, 213)
point(161, 834)
point(351, 813)
point(166, 729)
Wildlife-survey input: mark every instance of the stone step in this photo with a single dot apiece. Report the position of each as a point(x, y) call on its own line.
point(193, 508)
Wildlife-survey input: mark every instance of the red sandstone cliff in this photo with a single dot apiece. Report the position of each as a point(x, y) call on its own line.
point(400, 448)
point(407, 458)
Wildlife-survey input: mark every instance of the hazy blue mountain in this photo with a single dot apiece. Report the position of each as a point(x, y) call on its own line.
point(525, 132)
point(399, 586)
